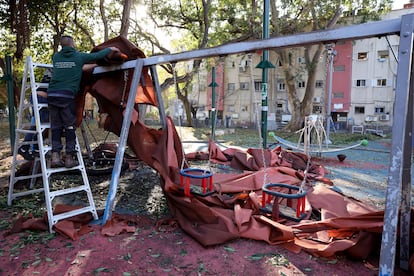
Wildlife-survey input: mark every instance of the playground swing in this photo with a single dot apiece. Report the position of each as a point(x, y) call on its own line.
point(271, 199)
point(193, 181)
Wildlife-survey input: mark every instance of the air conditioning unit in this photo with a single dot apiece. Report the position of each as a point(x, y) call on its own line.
point(317, 99)
point(384, 117)
point(371, 118)
point(243, 65)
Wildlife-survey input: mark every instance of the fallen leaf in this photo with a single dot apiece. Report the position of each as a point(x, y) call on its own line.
point(256, 257)
point(37, 262)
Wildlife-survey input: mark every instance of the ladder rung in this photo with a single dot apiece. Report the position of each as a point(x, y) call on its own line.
point(45, 125)
point(72, 213)
point(42, 65)
point(53, 194)
point(29, 192)
point(42, 105)
point(62, 169)
point(24, 177)
point(20, 130)
point(47, 148)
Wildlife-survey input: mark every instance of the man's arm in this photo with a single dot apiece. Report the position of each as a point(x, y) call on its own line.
point(99, 55)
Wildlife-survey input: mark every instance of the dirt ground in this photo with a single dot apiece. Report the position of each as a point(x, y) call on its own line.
point(157, 246)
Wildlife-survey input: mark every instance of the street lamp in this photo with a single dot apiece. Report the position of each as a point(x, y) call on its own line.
point(331, 55)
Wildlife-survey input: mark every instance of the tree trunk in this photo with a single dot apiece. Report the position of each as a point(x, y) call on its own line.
point(104, 19)
point(125, 18)
point(22, 29)
point(300, 107)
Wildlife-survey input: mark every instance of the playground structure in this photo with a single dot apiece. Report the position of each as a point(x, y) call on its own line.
point(313, 138)
point(399, 186)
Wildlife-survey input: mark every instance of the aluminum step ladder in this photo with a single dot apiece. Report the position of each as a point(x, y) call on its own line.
point(27, 110)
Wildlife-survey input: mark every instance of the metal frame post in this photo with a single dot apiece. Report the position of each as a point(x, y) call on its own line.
point(10, 94)
point(156, 83)
point(122, 141)
point(398, 176)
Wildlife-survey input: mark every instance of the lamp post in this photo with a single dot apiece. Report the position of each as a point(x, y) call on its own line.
point(265, 64)
point(213, 86)
point(331, 55)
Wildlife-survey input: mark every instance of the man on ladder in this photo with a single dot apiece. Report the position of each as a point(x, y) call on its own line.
point(63, 87)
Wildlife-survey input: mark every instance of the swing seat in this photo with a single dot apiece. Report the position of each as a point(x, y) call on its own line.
point(197, 182)
point(270, 202)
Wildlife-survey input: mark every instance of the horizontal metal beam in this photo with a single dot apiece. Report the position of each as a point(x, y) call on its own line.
point(367, 30)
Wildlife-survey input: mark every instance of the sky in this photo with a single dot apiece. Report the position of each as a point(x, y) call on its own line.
point(398, 4)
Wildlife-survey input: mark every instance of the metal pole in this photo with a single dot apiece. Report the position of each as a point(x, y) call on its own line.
point(12, 121)
point(158, 91)
point(331, 54)
point(126, 123)
point(213, 86)
point(265, 66)
point(397, 180)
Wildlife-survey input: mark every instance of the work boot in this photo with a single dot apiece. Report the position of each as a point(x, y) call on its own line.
point(26, 152)
point(70, 160)
point(56, 160)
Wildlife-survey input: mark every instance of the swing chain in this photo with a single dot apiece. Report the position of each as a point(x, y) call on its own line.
point(306, 132)
point(174, 73)
point(124, 89)
point(259, 129)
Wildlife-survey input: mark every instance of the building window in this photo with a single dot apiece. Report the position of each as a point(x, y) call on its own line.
point(317, 109)
point(231, 86)
point(362, 55)
point(359, 109)
point(338, 95)
point(379, 110)
point(360, 83)
point(319, 84)
point(279, 63)
point(381, 82)
point(301, 60)
point(339, 68)
point(244, 108)
point(244, 86)
point(301, 84)
point(231, 108)
point(281, 86)
point(279, 105)
point(258, 86)
point(383, 55)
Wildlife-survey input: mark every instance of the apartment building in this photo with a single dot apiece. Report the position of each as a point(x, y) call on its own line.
point(361, 94)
